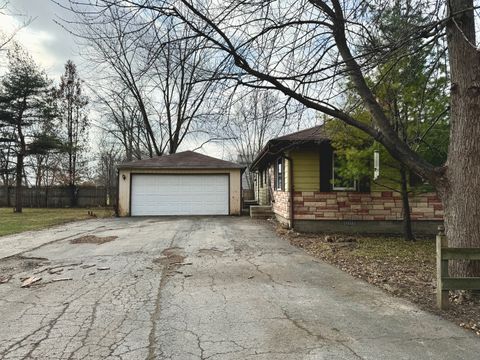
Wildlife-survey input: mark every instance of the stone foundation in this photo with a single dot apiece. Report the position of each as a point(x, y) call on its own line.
point(376, 206)
point(281, 203)
point(420, 227)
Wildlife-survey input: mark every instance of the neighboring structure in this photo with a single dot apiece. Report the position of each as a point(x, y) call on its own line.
point(247, 177)
point(185, 183)
point(295, 174)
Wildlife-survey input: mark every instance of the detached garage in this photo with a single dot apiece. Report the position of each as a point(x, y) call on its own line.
point(185, 183)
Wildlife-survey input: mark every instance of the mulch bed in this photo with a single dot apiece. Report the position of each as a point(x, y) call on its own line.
point(403, 269)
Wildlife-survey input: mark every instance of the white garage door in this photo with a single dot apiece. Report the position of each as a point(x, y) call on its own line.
point(179, 195)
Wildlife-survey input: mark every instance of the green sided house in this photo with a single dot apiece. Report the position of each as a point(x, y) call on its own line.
point(295, 175)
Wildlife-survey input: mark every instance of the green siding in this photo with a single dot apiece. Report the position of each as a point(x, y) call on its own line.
point(306, 170)
point(261, 192)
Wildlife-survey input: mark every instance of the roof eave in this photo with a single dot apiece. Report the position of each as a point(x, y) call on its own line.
point(285, 144)
point(258, 158)
point(139, 167)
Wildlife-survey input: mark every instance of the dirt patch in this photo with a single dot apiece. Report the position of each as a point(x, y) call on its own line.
point(240, 248)
point(17, 264)
point(172, 259)
point(212, 252)
point(403, 269)
point(92, 239)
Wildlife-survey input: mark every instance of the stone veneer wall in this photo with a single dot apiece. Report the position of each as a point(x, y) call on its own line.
point(380, 205)
point(281, 205)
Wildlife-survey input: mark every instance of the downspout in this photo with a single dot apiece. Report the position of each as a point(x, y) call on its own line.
point(291, 187)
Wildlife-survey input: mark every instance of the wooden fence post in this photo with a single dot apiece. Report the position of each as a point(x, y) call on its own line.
point(442, 269)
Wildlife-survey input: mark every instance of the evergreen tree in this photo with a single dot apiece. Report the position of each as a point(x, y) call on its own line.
point(24, 98)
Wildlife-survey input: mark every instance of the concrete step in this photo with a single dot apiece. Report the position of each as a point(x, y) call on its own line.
point(261, 212)
point(248, 203)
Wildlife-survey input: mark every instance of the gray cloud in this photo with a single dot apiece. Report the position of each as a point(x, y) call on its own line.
point(49, 43)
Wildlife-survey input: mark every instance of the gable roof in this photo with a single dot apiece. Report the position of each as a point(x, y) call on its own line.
point(316, 133)
point(181, 160)
point(274, 147)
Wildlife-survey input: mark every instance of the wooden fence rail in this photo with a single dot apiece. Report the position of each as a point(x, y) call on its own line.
point(444, 281)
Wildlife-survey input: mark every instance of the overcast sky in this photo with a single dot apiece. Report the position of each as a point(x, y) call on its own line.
point(49, 44)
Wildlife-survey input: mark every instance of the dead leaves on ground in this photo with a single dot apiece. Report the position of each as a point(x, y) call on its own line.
point(401, 268)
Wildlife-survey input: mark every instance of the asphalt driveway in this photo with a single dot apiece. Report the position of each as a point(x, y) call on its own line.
point(200, 288)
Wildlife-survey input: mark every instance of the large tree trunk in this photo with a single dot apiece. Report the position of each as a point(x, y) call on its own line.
point(7, 182)
point(461, 190)
point(20, 158)
point(407, 221)
point(73, 192)
point(18, 187)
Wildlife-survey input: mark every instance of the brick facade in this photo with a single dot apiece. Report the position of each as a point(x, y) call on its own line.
point(379, 205)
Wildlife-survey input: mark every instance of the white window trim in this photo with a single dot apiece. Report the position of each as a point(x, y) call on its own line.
point(279, 188)
point(341, 188)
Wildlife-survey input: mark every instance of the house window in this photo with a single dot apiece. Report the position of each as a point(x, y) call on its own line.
point(261, 178)
point(280, 174)
point(339, 182)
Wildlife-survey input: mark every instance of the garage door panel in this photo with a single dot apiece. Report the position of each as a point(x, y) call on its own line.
point(179, 195)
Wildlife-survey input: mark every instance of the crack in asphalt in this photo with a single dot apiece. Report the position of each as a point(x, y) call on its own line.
point(158, 300)
point(141, 308)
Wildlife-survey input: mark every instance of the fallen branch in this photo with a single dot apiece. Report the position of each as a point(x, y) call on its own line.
point(30, 281)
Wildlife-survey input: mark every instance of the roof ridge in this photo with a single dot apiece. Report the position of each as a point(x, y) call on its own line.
point(299, 132)
point(185, 159)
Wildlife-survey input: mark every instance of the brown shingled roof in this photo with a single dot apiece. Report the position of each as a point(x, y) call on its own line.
point(181, 160)
point(316, 133)
point(277, 145)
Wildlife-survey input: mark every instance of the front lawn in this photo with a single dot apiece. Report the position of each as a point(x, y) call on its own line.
point(35, 219)
point(403, 269)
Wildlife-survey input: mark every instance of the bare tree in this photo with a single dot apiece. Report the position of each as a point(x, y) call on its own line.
point(74, 124)
point(314, 46)
point(117, 52)
point(255, 116)
point(122, 120)
point(163, 66)
point(109, 157)
point(183, 78)
point(7, 37)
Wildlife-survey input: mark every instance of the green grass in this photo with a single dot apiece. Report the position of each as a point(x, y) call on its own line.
point(36, 219)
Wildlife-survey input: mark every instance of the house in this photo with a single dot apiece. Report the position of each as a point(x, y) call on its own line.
point(185, 183)
point(295, 175)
